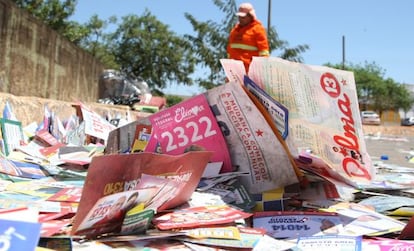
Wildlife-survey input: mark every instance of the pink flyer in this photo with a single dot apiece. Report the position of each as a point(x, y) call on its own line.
point(189, 123)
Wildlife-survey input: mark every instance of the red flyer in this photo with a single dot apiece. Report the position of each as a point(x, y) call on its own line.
point(116, 173)
point(407, 233)
point(68, 194)
point(199, 217)
point(188, 123)
point(53, 227)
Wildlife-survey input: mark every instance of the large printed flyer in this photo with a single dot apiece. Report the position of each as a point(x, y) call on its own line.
point(253, 144)
point(324, 121)
point(121, 173)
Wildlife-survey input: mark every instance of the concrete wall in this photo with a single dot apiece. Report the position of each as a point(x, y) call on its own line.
point(36, 61)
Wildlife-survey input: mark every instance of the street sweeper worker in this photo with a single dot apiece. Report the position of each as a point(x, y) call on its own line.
point(248, 37)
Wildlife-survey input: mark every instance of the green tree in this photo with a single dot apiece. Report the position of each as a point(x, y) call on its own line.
point(210, 41)
point(173, 100)
point(54, 13)
point(96, 41)
point(370, 84)
point(145, 47)
point(403, 99)
point(385, 96)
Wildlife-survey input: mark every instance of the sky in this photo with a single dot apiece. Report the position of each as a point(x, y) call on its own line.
point(361, 31)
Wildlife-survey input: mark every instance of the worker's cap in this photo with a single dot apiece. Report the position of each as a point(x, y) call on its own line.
point(246, 8)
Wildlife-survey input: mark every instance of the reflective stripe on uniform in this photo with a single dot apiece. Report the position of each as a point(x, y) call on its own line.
point(243, 46)
point(264, 53)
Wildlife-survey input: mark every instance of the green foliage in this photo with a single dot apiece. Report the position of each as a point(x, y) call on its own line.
point(173, 100)
point(95, 40)
point(209, 44)
point(403, 98)
point(145, 47)
point(75, 32)
point(54, 13)
point(376, 93)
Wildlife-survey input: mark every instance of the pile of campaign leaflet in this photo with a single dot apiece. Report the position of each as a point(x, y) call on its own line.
point(270, 160)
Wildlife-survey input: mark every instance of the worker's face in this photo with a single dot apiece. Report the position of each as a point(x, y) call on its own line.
point(245, 20)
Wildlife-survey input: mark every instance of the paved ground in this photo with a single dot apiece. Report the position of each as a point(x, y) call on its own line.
point(392, 140)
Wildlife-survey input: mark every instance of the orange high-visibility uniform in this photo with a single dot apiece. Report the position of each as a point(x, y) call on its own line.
point(248, 41)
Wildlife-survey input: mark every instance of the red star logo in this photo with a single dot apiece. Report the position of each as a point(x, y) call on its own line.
point(259, 133)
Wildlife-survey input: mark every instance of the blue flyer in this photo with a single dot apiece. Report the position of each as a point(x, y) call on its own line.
point(19, 235)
